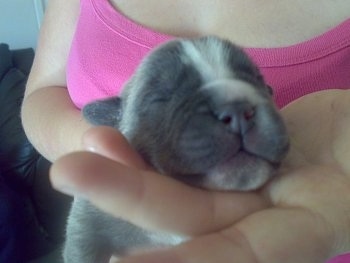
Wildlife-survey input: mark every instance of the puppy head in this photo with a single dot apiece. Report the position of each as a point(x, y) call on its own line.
point(200, 111)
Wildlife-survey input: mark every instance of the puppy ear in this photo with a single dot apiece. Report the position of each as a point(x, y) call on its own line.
point(270, 89)
point(105, 112)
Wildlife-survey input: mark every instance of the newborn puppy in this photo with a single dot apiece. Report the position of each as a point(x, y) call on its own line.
point(197, 110)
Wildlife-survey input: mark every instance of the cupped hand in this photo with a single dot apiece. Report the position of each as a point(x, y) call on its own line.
point(303, 215)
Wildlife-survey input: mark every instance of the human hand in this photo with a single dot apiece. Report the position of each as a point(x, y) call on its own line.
point(300, 216)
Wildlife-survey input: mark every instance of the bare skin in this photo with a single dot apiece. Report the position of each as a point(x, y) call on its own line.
point(251, 23)
point(51, 121)
point(302, 216)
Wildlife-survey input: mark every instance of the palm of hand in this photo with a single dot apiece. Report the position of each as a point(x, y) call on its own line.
point(310, 199)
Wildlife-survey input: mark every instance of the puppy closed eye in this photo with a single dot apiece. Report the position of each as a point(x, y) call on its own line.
point(159, 100)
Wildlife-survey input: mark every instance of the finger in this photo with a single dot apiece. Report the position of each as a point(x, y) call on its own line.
point(213, 248)
point(111, 143)
point(272, 236)
point(148, 199)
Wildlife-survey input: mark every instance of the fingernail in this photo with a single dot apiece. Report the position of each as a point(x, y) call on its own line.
point(91, 148)
point(59, 184)
point(68, 190)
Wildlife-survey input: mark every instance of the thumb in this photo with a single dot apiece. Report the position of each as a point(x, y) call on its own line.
point(110, 143)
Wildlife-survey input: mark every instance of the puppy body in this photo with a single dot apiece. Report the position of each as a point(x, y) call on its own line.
point(197, 110)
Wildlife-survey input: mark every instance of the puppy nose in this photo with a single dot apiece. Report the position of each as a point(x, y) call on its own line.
point(238, 116)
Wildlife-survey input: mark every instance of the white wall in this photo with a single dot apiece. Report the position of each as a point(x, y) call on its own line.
point(20, 21)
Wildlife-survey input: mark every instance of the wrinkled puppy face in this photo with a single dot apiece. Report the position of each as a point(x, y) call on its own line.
point(199, 110)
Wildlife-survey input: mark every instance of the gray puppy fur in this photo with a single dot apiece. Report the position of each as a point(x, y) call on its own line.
point(197, 110)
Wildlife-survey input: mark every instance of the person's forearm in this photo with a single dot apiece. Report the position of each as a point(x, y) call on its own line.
point(52, 123)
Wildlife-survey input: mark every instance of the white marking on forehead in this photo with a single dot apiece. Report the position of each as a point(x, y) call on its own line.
point(209, 58)
point(228, 90)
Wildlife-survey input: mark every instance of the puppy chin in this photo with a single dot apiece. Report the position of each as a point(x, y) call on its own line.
point(243, 172)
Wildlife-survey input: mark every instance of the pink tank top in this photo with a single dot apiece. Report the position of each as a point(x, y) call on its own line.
point(107, 47)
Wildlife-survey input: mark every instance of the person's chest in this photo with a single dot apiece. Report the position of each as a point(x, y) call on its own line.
point(249, 23)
